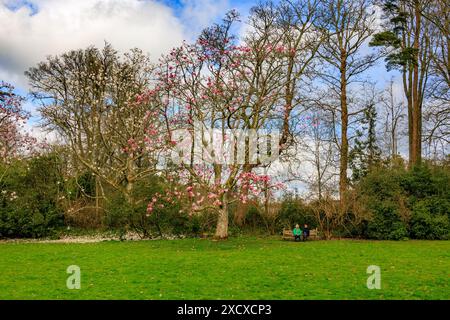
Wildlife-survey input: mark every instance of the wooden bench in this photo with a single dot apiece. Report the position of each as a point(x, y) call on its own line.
point(288, 235)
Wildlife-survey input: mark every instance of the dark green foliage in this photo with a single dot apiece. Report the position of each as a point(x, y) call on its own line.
point(166, 219)
point(253, 219)
point(85, 184)
point(414, 203)
point(365, 153)
point(386, 223)
point(427, 181)
point(29, 198)
point(386, 38)
point(430, 220)
point(293, 211)
point(399, 55)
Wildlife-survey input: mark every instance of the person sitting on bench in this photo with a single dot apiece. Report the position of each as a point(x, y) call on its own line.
point(305, 232)
point(297, 232)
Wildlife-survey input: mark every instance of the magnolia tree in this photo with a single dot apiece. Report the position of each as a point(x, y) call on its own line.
point(97, 107)
point(13, 141)
point(217, 116)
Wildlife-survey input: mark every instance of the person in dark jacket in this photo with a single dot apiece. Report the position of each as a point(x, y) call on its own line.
point(305, 232)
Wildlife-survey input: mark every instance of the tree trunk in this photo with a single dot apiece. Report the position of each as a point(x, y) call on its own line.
point(130, 182)
point(407, 85)
point(241, 210)
point(344, 139)
point(97, 204)
point(222, 220)
point(129, 193)
point(416, 95)
point(319, 174)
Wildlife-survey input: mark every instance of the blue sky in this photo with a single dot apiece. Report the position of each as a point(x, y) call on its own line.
point(15, 5)
point(34, 29)
point(178, 5)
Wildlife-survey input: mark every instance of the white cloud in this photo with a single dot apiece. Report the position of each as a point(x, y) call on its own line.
point(28, 36)
point(59, 26)
point(41, 135)
point(198, 14)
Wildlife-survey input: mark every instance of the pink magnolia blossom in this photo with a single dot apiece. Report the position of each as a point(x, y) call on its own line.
point(12, 117)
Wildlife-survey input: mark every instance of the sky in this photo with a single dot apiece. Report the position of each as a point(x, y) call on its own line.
point(33, 29)
point(30, 30)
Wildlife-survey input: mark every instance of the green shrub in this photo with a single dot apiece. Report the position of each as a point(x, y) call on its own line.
point(166, 218)
point(426, 181)
point(253, 219)
point(293, 211)
point(407, 203)
point(386, 222)
point(29, 198)
point(430, 219)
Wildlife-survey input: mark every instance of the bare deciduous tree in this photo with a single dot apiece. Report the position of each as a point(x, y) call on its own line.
point(393, 111)
point(348, 25)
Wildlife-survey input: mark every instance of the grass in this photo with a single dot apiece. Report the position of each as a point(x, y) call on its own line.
point(240, 268)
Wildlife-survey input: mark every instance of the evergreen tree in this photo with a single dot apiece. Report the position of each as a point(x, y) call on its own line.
point(401, 53)
point(365, 153)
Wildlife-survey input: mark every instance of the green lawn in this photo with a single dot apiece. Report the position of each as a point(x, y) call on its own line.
point(240, 268)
